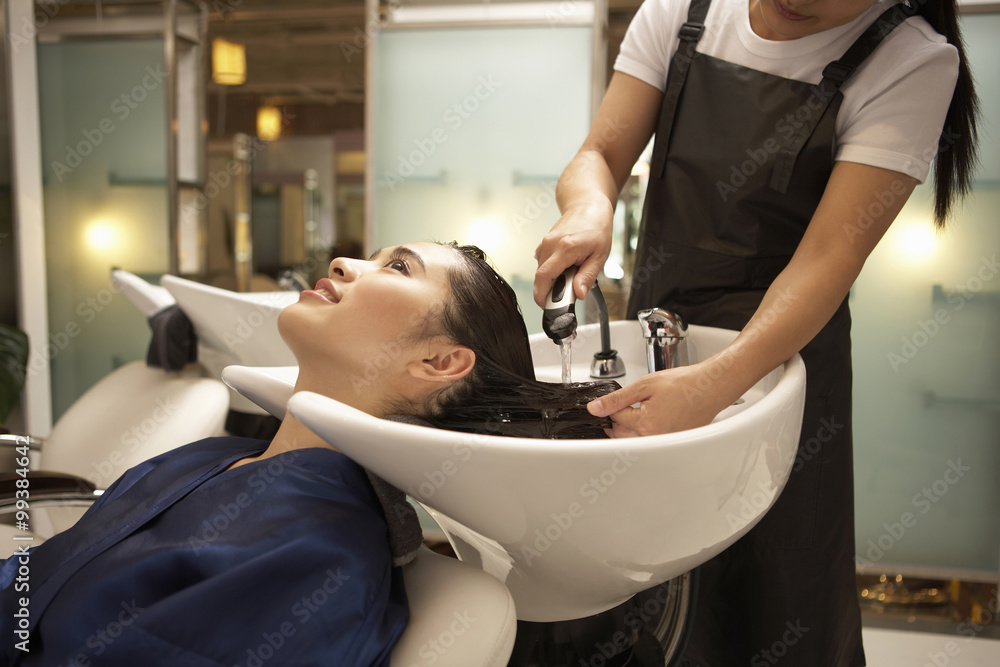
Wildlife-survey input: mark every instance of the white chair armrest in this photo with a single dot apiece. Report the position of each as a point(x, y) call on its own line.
point(460, 616)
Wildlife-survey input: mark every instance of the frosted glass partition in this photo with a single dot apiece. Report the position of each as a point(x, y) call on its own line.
point(927, 371)
point(103, 127)
point(472, 128)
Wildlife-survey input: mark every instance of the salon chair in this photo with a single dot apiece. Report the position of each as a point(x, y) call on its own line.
point(459, 615)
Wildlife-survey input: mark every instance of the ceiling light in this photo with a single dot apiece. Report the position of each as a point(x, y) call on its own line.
point(229, 62)
point(268, 123)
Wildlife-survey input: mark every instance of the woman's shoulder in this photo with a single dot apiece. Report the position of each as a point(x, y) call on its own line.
point(912, 35)
point(177, 463)
point(206, 448)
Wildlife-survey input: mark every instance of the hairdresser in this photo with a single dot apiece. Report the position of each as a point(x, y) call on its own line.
point(788, 135)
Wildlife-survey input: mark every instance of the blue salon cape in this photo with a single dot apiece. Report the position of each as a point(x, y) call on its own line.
point(283, 561)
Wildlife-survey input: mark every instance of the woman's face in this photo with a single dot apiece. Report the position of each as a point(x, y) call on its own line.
point(791, 19)
point(368, 316)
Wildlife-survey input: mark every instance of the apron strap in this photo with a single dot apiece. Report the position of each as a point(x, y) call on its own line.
point(834, 75)
point(689, 35)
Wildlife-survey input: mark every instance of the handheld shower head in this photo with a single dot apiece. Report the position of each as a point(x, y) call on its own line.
point(559, 314)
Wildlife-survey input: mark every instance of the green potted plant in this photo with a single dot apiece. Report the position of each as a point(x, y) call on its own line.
point(13, 369)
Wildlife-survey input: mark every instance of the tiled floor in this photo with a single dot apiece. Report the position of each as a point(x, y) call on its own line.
point(899, 648)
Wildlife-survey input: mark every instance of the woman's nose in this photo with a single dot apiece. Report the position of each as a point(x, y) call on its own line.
point(344, 268)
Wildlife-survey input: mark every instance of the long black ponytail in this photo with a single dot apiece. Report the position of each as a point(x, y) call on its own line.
point(956, 157)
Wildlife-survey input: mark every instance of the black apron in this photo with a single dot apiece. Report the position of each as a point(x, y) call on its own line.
point(740, 161)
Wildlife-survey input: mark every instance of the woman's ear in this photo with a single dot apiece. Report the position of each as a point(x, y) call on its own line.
point(445, 362)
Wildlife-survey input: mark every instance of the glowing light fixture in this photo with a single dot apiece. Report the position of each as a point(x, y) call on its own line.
point(268, 123)
point(102, 236)
point(917, 241)
point(229, 62)
point(487, 234)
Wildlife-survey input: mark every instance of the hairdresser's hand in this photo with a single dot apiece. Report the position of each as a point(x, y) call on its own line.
point(668, 401)
point(581, 237)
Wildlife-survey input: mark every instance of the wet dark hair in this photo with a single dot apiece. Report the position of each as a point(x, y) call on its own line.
point(500, 396)
point(956, 159)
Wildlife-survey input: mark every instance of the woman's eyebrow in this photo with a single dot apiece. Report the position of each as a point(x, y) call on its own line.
point(403, 251)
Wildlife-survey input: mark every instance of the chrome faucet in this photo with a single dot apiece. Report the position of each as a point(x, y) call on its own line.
point(606, 363)
point(666, 339)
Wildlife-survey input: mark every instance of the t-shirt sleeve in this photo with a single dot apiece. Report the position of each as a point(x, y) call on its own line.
point(898, 126)
point(650, 41)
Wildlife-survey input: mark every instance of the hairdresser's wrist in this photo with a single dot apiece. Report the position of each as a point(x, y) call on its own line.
point(720, 381)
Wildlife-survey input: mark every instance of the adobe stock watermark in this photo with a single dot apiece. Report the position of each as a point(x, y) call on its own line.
point(926, 330)
point(773, 654)
point(454, 117)
point(986, 616)
point(245, 327)
point(122, 107)
point(376, 365)
point(437, 647)
point(535, 206)
point(591, 491)
point(224, 7)
point(886, 199)
point(220, 179)
point(655, 260)
point(100, 640)
point(110, 468)
point(753, 505)
point(272, 641)
point(435, 479)
point(778, 304)
point(785, 130)
point(968, 629)
point(646, 611)
point(363, 37)
point(756, 503)
point(923, 502)
point(562, 12)
point(227, 513)
point(87, 311)
point(24, 35)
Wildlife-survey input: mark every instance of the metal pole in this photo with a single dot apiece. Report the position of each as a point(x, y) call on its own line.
point(170, 62)
point(29, 219)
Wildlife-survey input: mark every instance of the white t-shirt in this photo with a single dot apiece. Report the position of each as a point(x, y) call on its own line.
point(894, 105)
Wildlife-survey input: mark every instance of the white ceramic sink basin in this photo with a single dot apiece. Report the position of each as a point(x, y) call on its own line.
point(233, 327)
point(148, 298)
point(576, 527)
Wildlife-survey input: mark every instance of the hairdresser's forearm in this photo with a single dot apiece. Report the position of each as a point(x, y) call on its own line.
point(800, 301)
point(805, 295)
point(588, 188)
point(587, 184)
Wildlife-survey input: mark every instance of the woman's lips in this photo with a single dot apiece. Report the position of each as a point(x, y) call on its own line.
point(787, 13)
point(324, 290)
point(315, 294)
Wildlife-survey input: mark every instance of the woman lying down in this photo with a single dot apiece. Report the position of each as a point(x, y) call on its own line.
point(302, 566)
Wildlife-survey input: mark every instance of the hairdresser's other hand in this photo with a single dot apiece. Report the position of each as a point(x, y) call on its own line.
point(581, 237)
point(668, 401)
